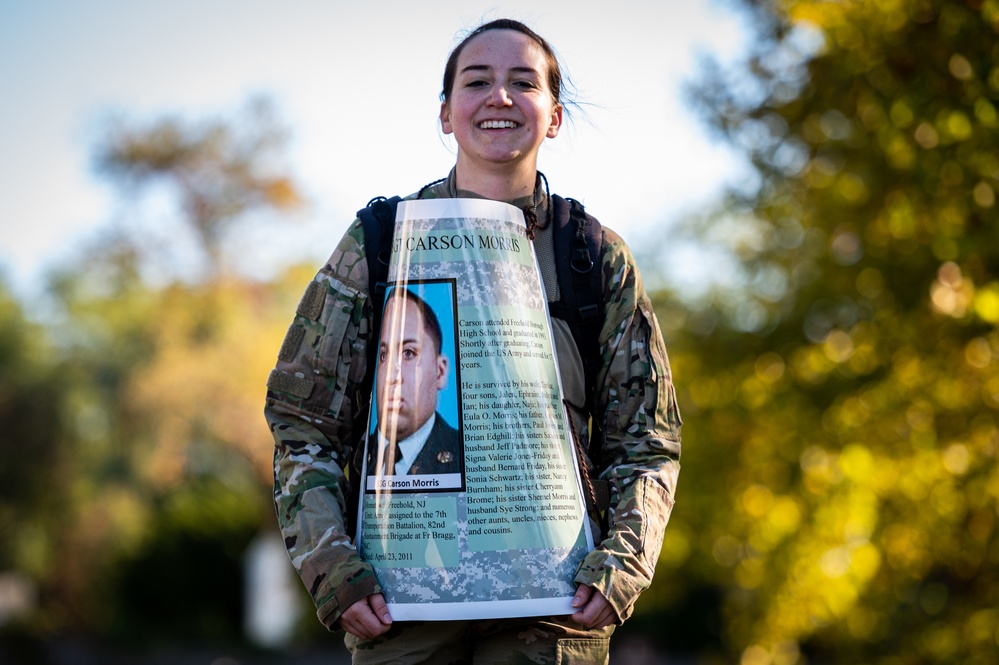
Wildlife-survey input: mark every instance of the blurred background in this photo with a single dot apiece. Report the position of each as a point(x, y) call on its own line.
point(810, 188)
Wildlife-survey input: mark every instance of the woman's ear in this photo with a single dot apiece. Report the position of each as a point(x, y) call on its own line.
point(556, 122)
point(446, 119)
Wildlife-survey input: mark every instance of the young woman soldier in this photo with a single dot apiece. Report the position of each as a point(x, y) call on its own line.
point(501, 99)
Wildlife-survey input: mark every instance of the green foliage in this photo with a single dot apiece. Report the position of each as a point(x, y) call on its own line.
point(136, 459)
point(202, 530)
point(840, 483)
point(173, 455)
point(219, 171)
point(32, 444)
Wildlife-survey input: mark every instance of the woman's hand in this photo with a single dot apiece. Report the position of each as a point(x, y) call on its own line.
point(367, 618)
point(593, 609)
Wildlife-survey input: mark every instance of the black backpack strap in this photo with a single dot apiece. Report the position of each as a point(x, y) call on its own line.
point(578, 245)
point(578, 241)
point(378, 223)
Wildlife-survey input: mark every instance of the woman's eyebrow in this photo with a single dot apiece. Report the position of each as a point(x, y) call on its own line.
point(486, 68)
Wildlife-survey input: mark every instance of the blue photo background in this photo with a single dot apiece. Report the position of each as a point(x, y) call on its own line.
point(439, 296)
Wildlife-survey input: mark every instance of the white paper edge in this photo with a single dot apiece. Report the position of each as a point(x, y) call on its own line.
point(491, 609)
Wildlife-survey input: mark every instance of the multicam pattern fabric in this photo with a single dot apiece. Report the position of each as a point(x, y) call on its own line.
point(554, 641)
point(316, 411)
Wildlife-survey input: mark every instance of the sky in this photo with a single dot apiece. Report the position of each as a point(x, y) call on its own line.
point(358, 85)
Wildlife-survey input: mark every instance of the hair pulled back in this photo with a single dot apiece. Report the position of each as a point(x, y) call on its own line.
point(554, 71)
point(431, 325)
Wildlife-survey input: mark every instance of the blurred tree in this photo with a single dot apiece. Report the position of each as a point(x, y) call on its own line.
point(159, 390)
point(172, 471)
point(219, 171)
point(841, 486)
point(32, 440)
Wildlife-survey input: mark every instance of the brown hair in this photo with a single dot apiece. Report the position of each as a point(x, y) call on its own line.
point(431, 325)
point(554, 71)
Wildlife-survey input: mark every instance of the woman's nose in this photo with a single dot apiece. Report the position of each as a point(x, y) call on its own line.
point(499, 96)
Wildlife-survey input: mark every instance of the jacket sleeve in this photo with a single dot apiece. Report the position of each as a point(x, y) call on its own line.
point(640, 455)
point(313, 398)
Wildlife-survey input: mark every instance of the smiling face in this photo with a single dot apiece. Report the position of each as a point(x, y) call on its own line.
point(410, 370)
point(500, 108)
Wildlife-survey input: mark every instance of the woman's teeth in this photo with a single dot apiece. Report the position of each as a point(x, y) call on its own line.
point(497, 124)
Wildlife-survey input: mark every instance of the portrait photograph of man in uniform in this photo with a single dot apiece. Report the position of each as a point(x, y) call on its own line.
point(412, 434)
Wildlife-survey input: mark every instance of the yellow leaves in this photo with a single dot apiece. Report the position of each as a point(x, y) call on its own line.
point(978, 353)
point(856, 462)
point(984, 195)
point(900, 152)
point(950, 127)
point(785, 516)
point(750, 573)
point(986, 303)
point(871, 113)
point(784, 652)
point(755, 393)
point(951, 219)
point(901, 114)
point(757, 500)
point(202, 386)
point(858, 561)
point(957, 126)
point(863, 622)
point(985, 112)
point(920, 416)
point(820, 470)
point(866, 560)
point(677, 546)
point(811, 365)
point(960, 68)
point(851, 413)
point(769, 367)
point(727, 550)
point(282, 193)
point(848, 37)
point(957, 459)
point(866, 356)
point(116, 514)
point(901, 215)
point(982, 628)
point(990, 392)
point(821, 173)
point(775, 526)
point(883, 380)
point(951, 293)
point(951, 173)
point(712, 391)
point(926, 136)
point(838, 346)
point(850, 352)
point(905, 548)
point(820, 14)
point(870, 283)
point(939, 642)
point(852, 188)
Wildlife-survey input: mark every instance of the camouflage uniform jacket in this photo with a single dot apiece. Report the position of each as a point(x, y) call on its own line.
point(316, 412)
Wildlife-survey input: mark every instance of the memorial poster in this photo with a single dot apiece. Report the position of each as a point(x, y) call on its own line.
point(471, 505)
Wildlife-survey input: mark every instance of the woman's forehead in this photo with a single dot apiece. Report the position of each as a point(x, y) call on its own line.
point(508, 49)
